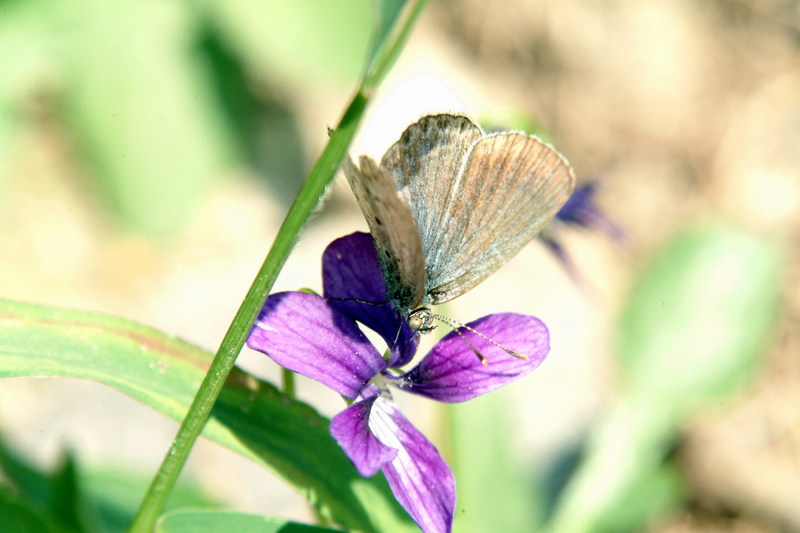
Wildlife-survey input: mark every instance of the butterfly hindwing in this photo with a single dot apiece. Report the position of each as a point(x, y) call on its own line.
point(477, 199)
point(423, 164)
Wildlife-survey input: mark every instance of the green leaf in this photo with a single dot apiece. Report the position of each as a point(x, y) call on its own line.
point(76, 500)
point(29, 484)
point(251, 417)
point(113, 495)
point(387, 13)
point(267, 133)
point(205, 521)
point(697, 321)
point(26, 46)
point(623, 463)
point(296, 43)
point(56, 495)
point(68, 504)
point(140, 105)
point(494, 493)
point(693, 331)
point(21, 518)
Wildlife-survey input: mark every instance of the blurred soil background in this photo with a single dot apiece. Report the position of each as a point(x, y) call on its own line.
point(144, 174)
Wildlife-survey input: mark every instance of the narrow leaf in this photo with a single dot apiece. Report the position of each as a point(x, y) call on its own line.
point(205, 521)
point(138, 102)
point(697, 321)
point(251, 417)
point(692, 333)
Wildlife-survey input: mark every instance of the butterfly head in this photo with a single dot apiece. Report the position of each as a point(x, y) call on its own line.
point(421, 320)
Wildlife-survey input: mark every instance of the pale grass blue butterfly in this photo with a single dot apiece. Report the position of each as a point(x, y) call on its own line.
point(449, 204)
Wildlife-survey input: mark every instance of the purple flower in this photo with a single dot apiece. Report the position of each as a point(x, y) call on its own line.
point(319, 338)
point(581, 211)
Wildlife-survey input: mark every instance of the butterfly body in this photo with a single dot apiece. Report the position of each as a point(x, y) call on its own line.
point(448, 204)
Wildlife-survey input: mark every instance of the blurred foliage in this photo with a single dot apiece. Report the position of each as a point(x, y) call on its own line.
point(70, 499)
point(206, 521)
point(691, 334)
point(163, 99)
point(494, 493)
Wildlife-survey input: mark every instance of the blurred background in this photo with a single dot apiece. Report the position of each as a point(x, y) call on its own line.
point(149, 151)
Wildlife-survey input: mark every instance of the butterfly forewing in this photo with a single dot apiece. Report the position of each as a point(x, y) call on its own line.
point(424, 164)
point(393, 230)
point(510, 186)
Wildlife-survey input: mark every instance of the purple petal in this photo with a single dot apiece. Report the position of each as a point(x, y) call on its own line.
point(350, 269)
point(353, 281)
point(578, 204)
point(418, 476)
point(581, 210)
point(562, 256)
point(350, 428)
point(453, 372)
point(304, 333)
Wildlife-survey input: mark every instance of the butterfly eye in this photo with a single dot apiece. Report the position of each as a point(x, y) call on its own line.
point(421, 320)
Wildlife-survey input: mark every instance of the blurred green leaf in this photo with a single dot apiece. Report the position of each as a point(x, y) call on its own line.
point(621, 484)
point(387, 12)
point(251, 417)
point(68, 504)
point(79, 500)
point(18, 517)
point(267, 132)
point(29, 484)
point(494, 493)
point(204, 521)
point(113, 496)
point(26, 62)
point(692, 332)
point(293, 44)
point(514, 120)
point(140, 106)
point(696, 323)
point(55, 495)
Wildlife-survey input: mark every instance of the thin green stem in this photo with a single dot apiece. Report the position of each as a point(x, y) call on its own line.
point(287, 378)
point(310, 195)
point(387, 53)
point(234, 339)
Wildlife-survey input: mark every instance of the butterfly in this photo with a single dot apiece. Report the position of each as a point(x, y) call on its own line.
point(450, 204)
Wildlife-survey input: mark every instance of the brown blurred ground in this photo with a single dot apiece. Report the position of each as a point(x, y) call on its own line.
point(684, 110)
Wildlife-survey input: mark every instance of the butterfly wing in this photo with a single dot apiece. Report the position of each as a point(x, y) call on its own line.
point(393, 230)
point(478, 199)
point(424, 163)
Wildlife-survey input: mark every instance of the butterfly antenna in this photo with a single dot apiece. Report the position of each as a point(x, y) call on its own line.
point(472, 347)
point(456, 325)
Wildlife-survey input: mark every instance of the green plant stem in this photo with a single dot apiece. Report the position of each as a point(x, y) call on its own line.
point(287, 382)
point(310, 195)
point(200, 409)
point(386, 54)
